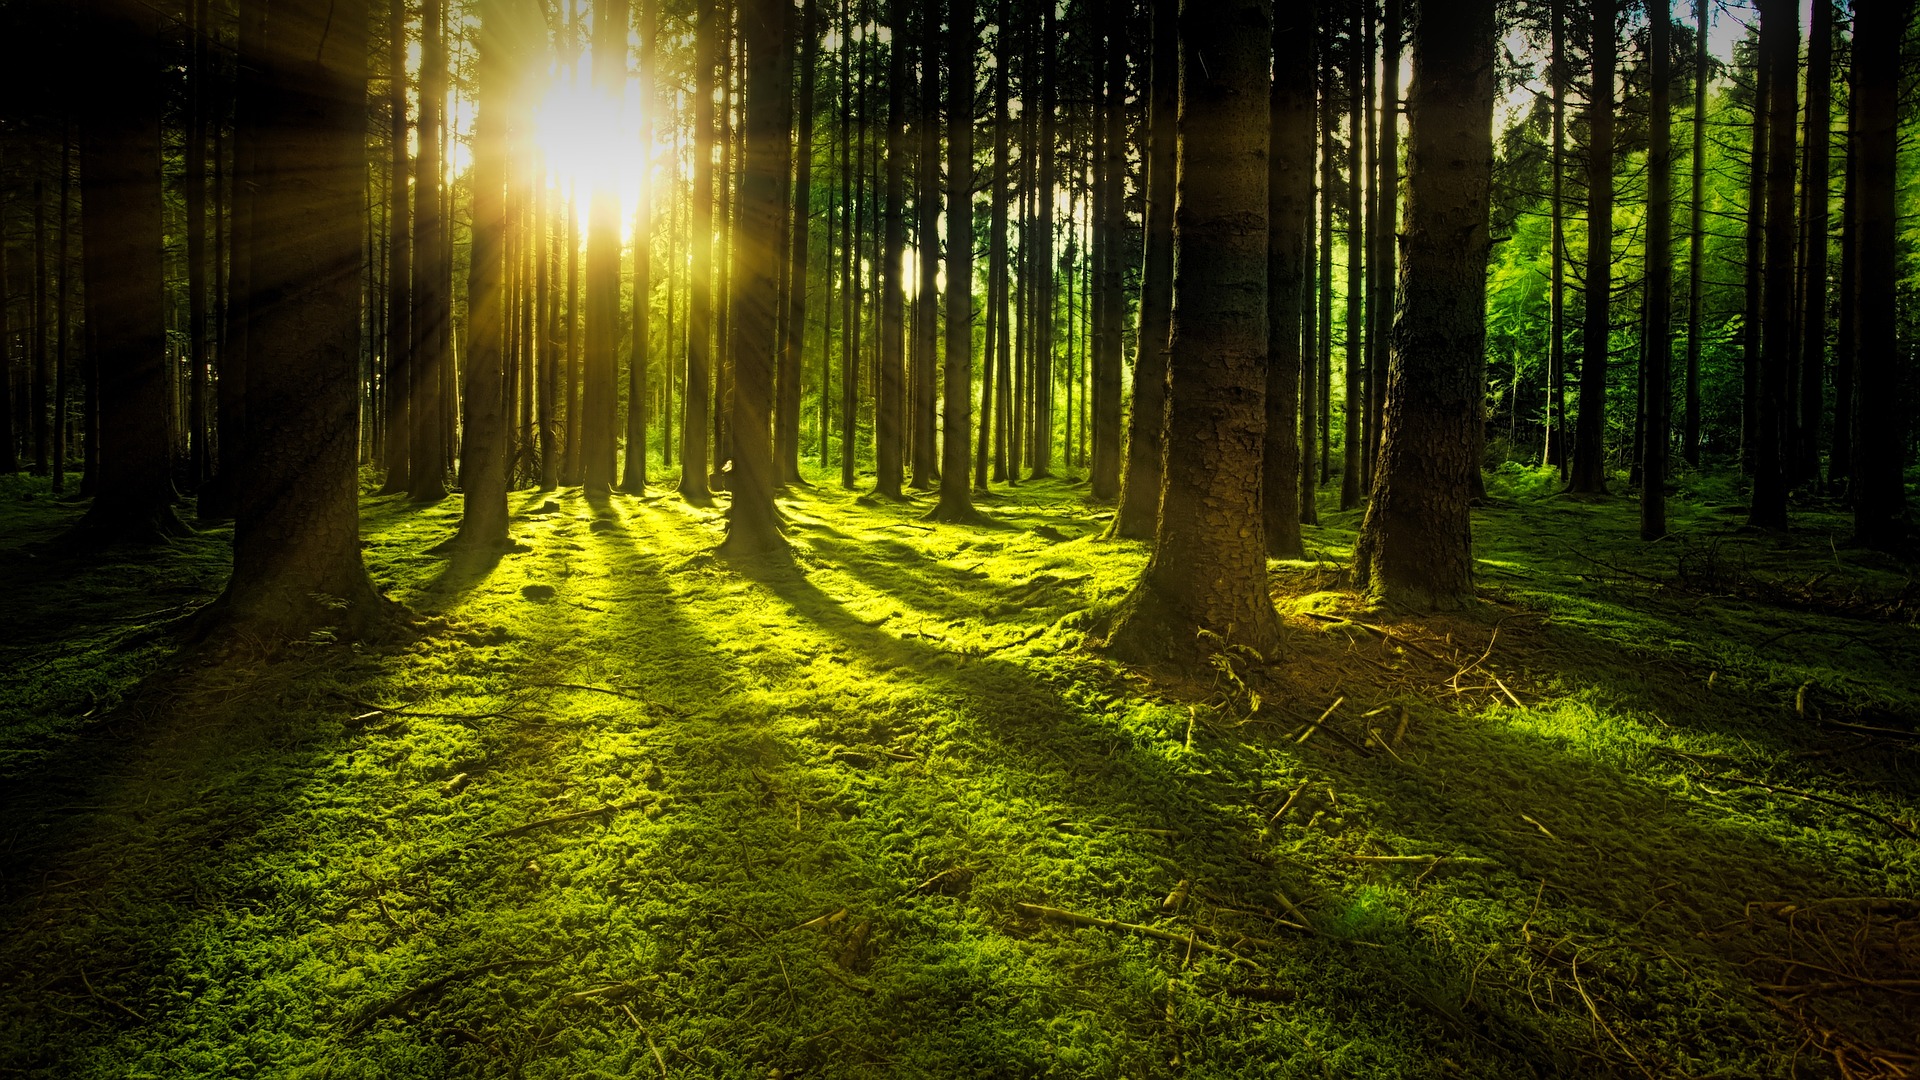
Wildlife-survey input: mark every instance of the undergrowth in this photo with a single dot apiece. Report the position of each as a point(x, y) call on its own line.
point(625, 810)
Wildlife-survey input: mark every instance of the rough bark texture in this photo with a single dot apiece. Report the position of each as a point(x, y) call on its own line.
point(1310, 317)
point(483, 442)
point(1589, 471)
point(926, 249)
point(1353, 412)
point(1805, 466)
point(599, 394)
point(431, 321)
point(1205, 587)
point(956, 500)
point(1416, 544)
point(1659, 293)
point(695, 403)
point(121, 237)
point(1040, 449)
point(793, 330)
point(1696, 240)
point(399, 383)
point(1140, 487)
point(1555, 450)
point(1754, 267)
point(1879, 493)
point(889, 404)
point(296, 544)
point(1846, 342)
point(1780, 40)
point(753, 525)
point(1384, 223)
point(1290, 166)
point(1110, 208)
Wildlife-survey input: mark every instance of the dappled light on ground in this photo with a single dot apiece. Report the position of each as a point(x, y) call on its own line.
point(624, 809)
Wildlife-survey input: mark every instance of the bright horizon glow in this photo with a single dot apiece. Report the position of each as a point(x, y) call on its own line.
point(588, 141)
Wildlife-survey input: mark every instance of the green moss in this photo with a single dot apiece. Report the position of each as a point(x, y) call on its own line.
point(823, 792)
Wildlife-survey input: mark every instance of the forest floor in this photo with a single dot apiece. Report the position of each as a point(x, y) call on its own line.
point(622, 810)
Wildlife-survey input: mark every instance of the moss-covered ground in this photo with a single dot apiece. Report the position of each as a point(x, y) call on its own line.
point(621, 810)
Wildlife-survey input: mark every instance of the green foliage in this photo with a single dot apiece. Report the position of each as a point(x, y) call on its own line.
point(621, 810)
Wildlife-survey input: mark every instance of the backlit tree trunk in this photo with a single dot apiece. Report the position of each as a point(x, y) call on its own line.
point(399, 385)
point(1589, 472)
point(432, 322)
point(1805, 466)
point(1696, 234)
point(1780, 40)
point(693, 430)
point(793, 330)
point(889, 405)
point(1880, 439)
point(956, 501)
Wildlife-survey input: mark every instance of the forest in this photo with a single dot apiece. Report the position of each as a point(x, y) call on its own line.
point(938, 538)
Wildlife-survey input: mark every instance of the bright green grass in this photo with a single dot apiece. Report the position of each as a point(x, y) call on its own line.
point(827, 787)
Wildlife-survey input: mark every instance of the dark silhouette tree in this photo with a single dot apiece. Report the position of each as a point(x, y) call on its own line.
point(1658, 330)
point(1589, 470)
point(1880, 433)
point(1780, 42)
point(1804, 465)
point(889, 394)
point(399, 329)
point(432, 303)
point(1290, 164)
point(956, 500)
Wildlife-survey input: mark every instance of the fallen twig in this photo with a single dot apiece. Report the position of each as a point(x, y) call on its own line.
point(610, 808)
point(433, 986)
point(1838, 804)
point(1190, 939)
point(374, 710)
point(1315, 726)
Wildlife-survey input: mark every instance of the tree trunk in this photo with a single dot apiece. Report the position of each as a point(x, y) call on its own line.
point(1813, 216)
point(1416, 545)
point(852, 149)
point(1205, 586)
point(753, 525)
point(1846, 352)
point(793, 332)
point(1780, 40)
point(1385, 222)
point(121, 241)
point(60, 316)
point(1696, 239)
point(483, 443)
point(927, 249)
point(1111, 221)
point(431, 321)
point(1329, 177)
point(888, 405)
point(600, 392)
point(956, 501)
point(639, 362)
point(1310, 324)
point(1755, 265)
point(1040, 450)
point(693, 429)
point(296, 547)
point(1353, 460)
point(1290, 165)
point(1880, 438)
point(1589, 472)
point(400, 383)
point(1555, 452)
point(1659, 293)
point(996, 334)
point(1140, 489)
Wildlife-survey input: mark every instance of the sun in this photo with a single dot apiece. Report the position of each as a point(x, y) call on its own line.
point(590, 141)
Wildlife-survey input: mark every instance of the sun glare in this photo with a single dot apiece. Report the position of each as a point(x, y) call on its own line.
point(589, 141)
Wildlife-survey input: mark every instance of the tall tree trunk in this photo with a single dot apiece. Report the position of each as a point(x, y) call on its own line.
point(723, 286)
point(1416, 545)
point(1329, 178)
point(1846, 351)
point(753, 525)
point(996, 266)
point(199, 102)
point(431, 322)
point(1041, 446)
point(889, 412)
point(400, 388)
point(639, 362)
point(40, 389)
point(1289, 225)
point(1780, 40)
point(927, 249)
point(1205, 586)
point(600, 396)
point(1659, 293)
point(1309, 471)
point(121, 239)
point(793, 330)
point(1140, 489)
point(693, 430)
point(1110, 221)
point(956, 501)
point(1589, 472)
point(1754, 286)
point(852, 149)
point(1353, 462)
point(60, 315)
point(296, 545)
point(1555, 452)
point(1696, 240)
point(1880, 437)
point(1813, 216)
point(483, 443)
point(1384, 224)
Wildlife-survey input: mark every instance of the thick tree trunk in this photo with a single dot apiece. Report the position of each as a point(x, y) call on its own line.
point(753, 525)
point(431, 322)
point(1589, 471)
point(121, 242)
point(1140, 490)
point(296, 548)
point(1880, 439)
point(1659, 291)
point(956, 501)
point(1289, 224)
point(1205, 586)
point(1780, 40)
point(996, 329)
point(1384, 224)
point(1416, 545)
point(693, 429)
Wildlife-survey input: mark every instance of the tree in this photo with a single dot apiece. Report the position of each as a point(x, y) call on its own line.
point(199, 104)
point(599, 394)
point(1589, 472)
point(1754, 265)
point(1879, 492)
point(1290, 164)
point(1208, 571)
point(753, 525)
point(483, 443)
point(1804, 466)
point(1696, 235)
point(1416, 544)
point(399, 329)
point(926, 249)
point(956, 500)
point(431, 320)
point(1659, 299)
point(634, 471)
point(1780, 42)
point(693, 429)
point(793, 328)
point(889, 406)
point(1110, 218)
point(1140, 487)
point(296, 540)
point(121, 237)
point(1555, 450)
point(1353, 458)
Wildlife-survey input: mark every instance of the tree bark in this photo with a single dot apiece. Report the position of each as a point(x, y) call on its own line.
point(1814, 223)
point(1880, 438)
point(927, 250)
point(793, 331)
point(956, 500)
point(1754, 287)
point(1696, 239)
point(1353, 437)
point(1589, 472)
point(1659, 291)
point(1205, 586)
point(431, 321)
point(1555, 450)
point(693, 428)
point(399, 344)
point(640, 359)
point(1110, 220)
point(1311, 269)
point(889, 411)
point(1780, 40)
point(1416, 545)
point(1290, 163)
